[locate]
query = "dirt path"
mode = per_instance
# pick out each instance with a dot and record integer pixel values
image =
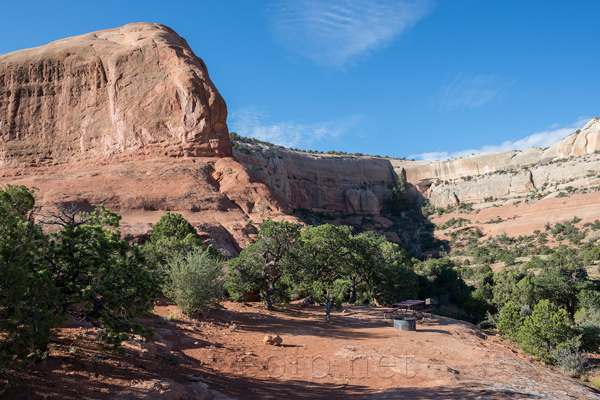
(360, 355)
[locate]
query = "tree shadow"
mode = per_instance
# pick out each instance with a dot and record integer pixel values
(310, 325)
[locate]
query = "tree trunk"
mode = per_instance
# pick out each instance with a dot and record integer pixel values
(267, 298)
(352, 296)
(328, 307)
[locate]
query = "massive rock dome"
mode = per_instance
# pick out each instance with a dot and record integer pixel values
(137, 89)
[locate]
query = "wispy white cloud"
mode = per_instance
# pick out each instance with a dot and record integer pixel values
(466, 92)
(253, 122)
(540, 139)
(336, 33)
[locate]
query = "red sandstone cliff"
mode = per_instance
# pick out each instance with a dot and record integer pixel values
(129, 118)
(136, 89)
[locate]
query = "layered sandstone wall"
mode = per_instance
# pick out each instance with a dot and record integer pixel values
(138, 89)
(321, 182)
(545, 179)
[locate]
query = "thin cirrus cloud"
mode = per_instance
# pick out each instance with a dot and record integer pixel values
(336, 33)
(466, 92)
(540, 139)
(252, 122)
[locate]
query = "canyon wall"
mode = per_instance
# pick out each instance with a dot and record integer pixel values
(585, 141)
(321, 182)
(348, 184)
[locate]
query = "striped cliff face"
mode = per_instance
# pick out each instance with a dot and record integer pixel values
(138, 89)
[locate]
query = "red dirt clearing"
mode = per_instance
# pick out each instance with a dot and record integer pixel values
(358, 355)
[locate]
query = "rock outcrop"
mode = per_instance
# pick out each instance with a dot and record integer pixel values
(138, 89)
(129, 118)
(567, 174)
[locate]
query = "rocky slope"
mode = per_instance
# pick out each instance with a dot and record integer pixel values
(359, 356)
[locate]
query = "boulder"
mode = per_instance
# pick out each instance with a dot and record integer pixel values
(272, 340)
(361, 201)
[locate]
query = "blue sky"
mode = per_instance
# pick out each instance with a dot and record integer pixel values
(404, 78)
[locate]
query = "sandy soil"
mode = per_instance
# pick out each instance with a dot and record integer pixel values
(359, 355)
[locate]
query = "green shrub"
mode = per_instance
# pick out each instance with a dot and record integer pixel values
(171, 235)
(544, 330)
(489, 322)
(588, 299)
(195, 280)
(510, 320)
(102, 280)
(570, 359)
(477, 305)
(82, 268)
(588, 324)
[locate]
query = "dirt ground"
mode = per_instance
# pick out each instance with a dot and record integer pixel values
(359, 355)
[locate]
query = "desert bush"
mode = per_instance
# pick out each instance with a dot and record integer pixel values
(544, 330)
(171, 235)
(477, 305)
(588, 324)
(510, 320)
(392, 277)
(570, 359)
(490, 321)
(195, 280)
(589, 299)
(438, 278)
(101, 279)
